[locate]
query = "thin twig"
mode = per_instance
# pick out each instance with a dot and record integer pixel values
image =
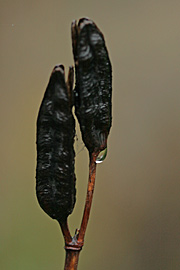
(74, 245)
(89, 197)
(71, 262)
(65, 232)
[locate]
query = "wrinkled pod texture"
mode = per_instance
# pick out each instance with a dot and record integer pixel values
(55, 178)
(93, 88)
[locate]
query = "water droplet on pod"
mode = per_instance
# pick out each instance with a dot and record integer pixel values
(102, 155)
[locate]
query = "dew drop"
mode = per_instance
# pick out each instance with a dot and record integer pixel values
(102, 155)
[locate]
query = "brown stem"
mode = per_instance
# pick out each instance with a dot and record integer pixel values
(65, 231)
(89, 197)
(71, 261)
(71, 246)
(74, 245)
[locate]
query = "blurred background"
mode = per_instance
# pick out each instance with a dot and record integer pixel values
(135, 218)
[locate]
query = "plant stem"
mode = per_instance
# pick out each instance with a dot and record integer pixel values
(71, 261)
(65, 232)
(89, 197)
(73, 245)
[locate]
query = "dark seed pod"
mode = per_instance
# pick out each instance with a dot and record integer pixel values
(93, 84)
(55, 178)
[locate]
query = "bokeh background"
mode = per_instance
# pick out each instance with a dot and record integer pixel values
(135, 218)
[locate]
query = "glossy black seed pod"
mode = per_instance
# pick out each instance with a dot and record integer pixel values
(93, 84)
(55, 178)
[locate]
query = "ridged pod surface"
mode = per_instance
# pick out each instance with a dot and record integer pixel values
(55, 178)
(93, 84)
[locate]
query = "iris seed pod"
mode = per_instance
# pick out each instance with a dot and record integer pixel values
(55, 178)
(93, 84)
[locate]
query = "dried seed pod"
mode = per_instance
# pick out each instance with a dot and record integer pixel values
(55, 178)
(93, 84)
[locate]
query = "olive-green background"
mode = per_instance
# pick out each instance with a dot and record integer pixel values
(135, 218)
